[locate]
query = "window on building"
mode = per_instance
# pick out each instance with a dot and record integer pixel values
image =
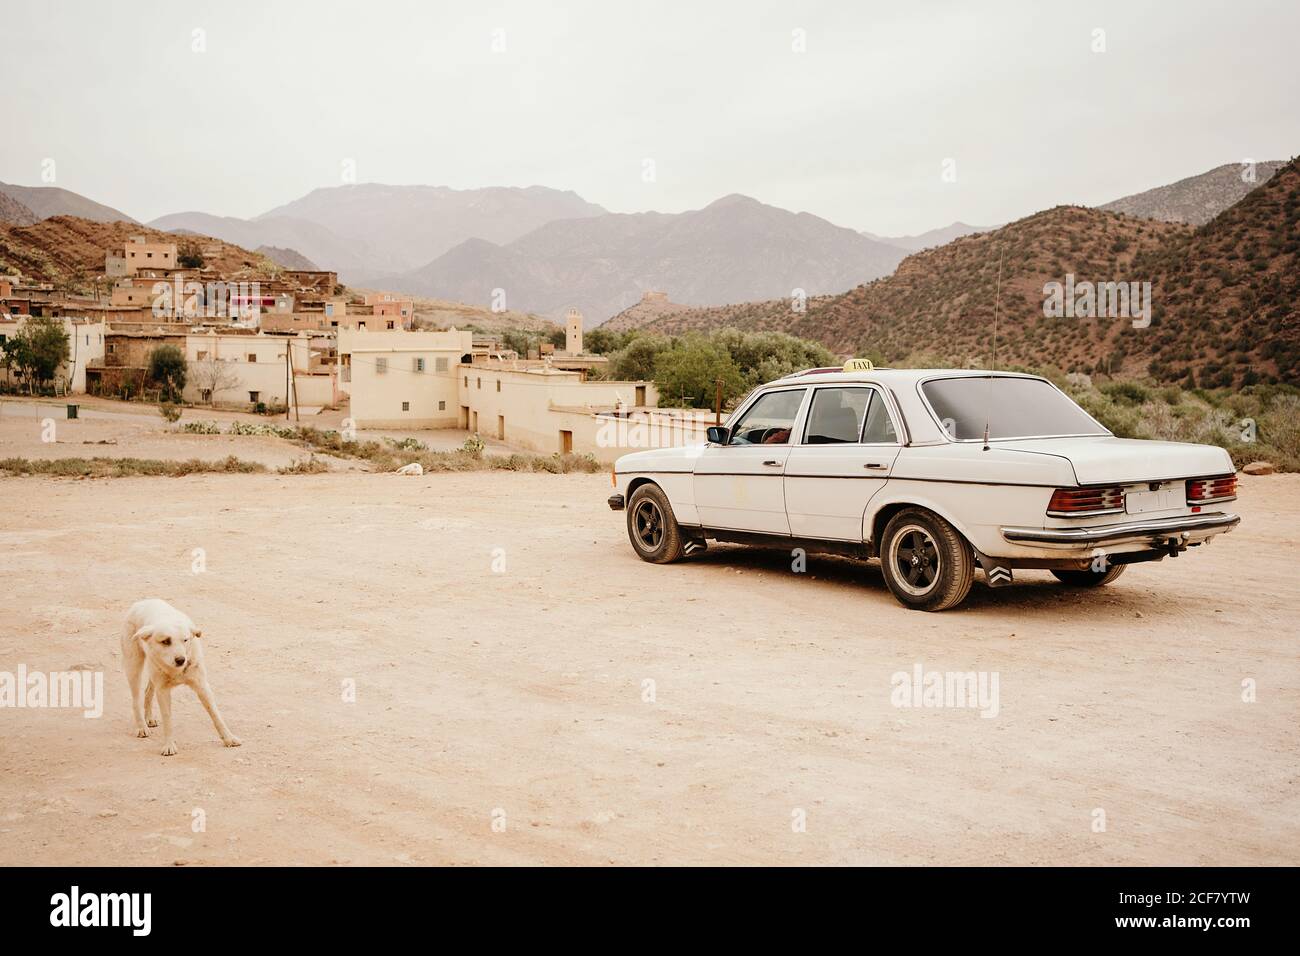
(440, 365)
(381, 366)
(467, 381)
(111, 348)
(498, 385)
(390, 323)
(252, 356)
(406, 406)
(329, 309)
(442, 406)
(254, 397)
(205, 394)
(202, 355)
(480, 381)
(419, 365)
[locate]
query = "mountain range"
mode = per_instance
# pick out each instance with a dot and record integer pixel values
(47, 201)
(734, 249)
(1224, 296)
(930, 238)
(370, 233)
(549, 249)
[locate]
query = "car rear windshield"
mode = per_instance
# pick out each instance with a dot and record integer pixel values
(1013, 408)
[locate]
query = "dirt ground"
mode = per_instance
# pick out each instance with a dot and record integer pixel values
(500, 635)
(104, 428)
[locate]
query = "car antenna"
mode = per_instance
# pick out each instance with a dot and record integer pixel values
(997, 302)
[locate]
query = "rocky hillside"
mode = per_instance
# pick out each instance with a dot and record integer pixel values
(1196, 199)
(1224, 297)
(15, 213)
(733, 250)
(289, 258)
(940, 302)
(652, 307)
(1230, 310)
(69, 251)
(48, 201)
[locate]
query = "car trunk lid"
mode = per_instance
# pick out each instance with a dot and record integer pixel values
(1109, 460)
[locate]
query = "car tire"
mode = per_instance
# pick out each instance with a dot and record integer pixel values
(1090, 578)
(652, 527)
(926, 563)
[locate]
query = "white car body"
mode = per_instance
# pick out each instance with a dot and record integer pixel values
(995, 493)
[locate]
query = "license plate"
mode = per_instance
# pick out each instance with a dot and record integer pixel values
(1163, 499)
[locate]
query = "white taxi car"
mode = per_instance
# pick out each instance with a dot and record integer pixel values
(933, 472)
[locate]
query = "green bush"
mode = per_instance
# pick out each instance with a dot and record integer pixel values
(167, 369)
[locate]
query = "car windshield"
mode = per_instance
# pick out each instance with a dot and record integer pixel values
(1013, 408)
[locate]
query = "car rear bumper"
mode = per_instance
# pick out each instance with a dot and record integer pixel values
(615, 502)
(1186, 529)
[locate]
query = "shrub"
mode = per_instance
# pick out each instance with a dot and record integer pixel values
(201, 428)
(167, 368)
(170, 411)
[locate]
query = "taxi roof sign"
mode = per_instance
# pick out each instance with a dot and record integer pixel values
(859, 365)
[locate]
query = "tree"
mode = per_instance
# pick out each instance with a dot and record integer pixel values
(636, 361)
(38, 350)
(691, 369)
(167, 367)
(212, 376)
(189, 256)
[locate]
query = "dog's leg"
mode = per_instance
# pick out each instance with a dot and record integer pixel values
(134, 666)
(205, 698)
(148, 706)
(165, 707)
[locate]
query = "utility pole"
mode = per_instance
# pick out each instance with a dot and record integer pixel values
(297, 409)
(717, 402)
(286, 380)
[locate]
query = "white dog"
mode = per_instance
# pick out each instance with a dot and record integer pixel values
(160, 650)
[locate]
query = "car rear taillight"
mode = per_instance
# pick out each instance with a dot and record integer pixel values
(1204, 490)
(1071, 502)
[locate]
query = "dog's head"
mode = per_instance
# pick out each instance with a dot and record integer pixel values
(169, 645)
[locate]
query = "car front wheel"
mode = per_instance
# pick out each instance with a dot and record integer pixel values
(927, 564)
(652, 527)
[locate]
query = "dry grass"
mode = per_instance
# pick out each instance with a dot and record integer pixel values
(124, 467)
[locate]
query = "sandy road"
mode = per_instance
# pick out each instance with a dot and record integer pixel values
(523, 692)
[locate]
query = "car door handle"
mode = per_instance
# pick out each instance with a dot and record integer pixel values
(772, 464)
(875, 466)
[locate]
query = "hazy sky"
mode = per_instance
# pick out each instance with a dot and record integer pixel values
(855, 129)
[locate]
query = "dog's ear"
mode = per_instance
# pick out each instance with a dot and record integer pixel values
(196, 632)
(143, 634)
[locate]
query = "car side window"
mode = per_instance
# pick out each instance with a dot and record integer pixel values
(880, 428)
(836, 415)
(769, 420)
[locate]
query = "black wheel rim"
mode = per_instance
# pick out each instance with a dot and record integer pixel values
(915, 558)
(648, 521)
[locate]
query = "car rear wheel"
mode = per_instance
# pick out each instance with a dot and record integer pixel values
(652, 527)
(1090, 578)
(926, 563)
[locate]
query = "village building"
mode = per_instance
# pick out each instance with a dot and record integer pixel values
(140, 253)
(86, 342)
(418, 380)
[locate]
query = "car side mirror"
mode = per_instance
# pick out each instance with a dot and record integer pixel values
(719, 434)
